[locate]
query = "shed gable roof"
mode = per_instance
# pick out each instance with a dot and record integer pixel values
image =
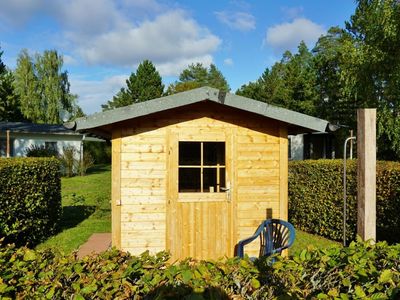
(194, 96)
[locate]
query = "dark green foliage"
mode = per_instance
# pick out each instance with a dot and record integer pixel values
(30, 199)
(145, 84)
(360, 271)
(195, 76)
(101, 152)
(9, 101)
(291, 83)
(33, 274)
(10, 109)
(316, 198)
(41, 151)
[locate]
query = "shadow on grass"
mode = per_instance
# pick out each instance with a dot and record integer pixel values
(73, 215)
(98, 169)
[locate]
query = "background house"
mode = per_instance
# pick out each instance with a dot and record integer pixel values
(314, 145)
(195, 172)
(24, 135)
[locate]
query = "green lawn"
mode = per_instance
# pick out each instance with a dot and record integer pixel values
(86, 210)
(304, 240)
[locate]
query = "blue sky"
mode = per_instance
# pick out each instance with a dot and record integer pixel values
(103, 41)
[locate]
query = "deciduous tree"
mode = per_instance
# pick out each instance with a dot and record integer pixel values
(43, 87)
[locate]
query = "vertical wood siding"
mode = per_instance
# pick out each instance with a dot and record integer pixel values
(151, 217)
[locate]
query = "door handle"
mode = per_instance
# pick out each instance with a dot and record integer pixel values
(227, 191)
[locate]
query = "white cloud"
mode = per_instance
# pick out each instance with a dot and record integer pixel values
(173, 68)
(69, 60)
(228, 62)
(17, 12)
(292, 12)
(86, 17)
(237, 20)
(287, 36)
(94, 93)
(170, 37)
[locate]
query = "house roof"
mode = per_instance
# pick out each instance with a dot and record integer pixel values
(302, 121)
(23, 127)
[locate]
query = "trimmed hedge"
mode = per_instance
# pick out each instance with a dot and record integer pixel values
(316, 198)
(360, 271)
(30, 199)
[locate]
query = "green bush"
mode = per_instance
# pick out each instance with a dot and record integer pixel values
(316, 198)
(32, 274)
(40, 151)
(68, 162)
(100, 151)
(361, 271)
(30, 199)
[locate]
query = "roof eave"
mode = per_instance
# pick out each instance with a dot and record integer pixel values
(194, 96)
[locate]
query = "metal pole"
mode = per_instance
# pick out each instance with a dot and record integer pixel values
(351, 145)
(344, 188)
(8, 144)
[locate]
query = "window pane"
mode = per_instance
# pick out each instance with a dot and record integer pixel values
(189, 153)
(210, 183)
(189, 180)
(214, 153)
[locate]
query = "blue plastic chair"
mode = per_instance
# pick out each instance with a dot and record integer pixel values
(275, 236)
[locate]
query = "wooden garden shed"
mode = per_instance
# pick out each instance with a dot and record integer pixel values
(195, 172)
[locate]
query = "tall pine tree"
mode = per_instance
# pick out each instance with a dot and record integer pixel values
(143, 85)
(9, 101)
(196, 75)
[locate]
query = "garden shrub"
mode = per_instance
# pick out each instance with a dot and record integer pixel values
(40, 151)
(360, 271)
(30, 199)
(316, 198)
(68, 161)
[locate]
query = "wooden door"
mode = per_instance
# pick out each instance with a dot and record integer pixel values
(200, 207)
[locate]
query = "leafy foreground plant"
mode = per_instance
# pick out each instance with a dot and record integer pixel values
(357, 272)
(360, 271)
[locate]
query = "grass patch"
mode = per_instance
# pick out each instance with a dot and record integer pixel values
(304, 240)
(86, 209)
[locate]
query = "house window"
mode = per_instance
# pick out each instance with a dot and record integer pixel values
(51, 146)
(201, 167)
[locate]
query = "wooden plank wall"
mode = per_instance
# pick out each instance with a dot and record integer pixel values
(258, 146)
(258, 174)
(143, 186)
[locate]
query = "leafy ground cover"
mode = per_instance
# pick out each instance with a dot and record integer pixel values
(86, 210)
(360, 271)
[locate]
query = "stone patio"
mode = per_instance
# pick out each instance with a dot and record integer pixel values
(96, 244)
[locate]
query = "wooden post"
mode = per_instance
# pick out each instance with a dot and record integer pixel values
(366, 173)
(8, 144)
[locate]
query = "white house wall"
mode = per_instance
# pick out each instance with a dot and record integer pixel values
(22, 141)
(296, 147)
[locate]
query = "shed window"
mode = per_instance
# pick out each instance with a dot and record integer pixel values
(201, 167)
